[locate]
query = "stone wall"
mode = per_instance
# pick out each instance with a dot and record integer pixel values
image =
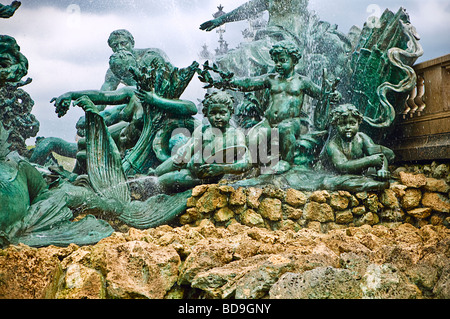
(238, 262)
(415, 199)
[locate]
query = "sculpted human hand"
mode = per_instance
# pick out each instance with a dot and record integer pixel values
(335, 97)
(383, 174)
(211, 25)
(376, 160)
(86, 104)
(62, 103)
(145, 96)
(8, 11)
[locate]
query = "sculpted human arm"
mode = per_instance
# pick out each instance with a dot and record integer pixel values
(120, 96)
(311, 88)
(315, 91)
(213, 170)
(355, 166)
(377, 150)
(250, 84)
(242, 12)
(8, 11)
(176, 107)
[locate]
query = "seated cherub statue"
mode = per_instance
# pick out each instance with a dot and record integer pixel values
(353, 152)
(214, 150)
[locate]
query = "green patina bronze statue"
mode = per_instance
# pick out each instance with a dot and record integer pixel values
(353, 152)
(32, 214)
(148, 134)
(147, 116)
(204, 158)
(9, 10)
(287, 93)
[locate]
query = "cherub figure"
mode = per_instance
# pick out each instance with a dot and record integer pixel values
(353, 152)
(287, 92)
(215, 149)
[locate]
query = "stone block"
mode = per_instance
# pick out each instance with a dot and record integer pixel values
(291, 212)
(344, 217)
(224, 214)
(211, 200)
(412, 198)
(338, 201)
(437, 185)
(253, 195)
(252, 218)
(437, 202)
(413, 180)
(319, 196)
(318, 212)
(295, 198)
(270, 208)
(420, 213)
(238, 197)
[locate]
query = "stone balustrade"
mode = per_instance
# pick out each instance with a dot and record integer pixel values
(422, 130)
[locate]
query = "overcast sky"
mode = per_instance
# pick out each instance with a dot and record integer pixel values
(65, 40)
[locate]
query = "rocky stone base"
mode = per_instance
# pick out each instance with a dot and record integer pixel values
(239, 262)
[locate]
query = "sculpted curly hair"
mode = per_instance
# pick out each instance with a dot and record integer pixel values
(121, 32)
(218, 97)
(288, 47)
(345, 110)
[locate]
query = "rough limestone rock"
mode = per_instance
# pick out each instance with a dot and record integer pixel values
(420, 213)
(318, 212)
(295, 198)
(81, 282)
(319, 283)
(137, 269)
(437, 202)
(252, 218)
(442, 288)
(28, 273)
(211, 200)
(386, 282)
(339, 201)
(413, 180)
(437, 185)
(270, 208)
(412, 198)
(237, 261)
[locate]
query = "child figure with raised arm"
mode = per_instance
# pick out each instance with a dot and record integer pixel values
(287, 92)
(353, 152)
(215, 149)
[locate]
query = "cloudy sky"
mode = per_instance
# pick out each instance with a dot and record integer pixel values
(65, 40)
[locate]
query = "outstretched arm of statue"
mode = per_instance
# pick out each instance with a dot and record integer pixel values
(8, 11)
(181, 108)
(243, 12)
(250, 84)
(120, 96)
